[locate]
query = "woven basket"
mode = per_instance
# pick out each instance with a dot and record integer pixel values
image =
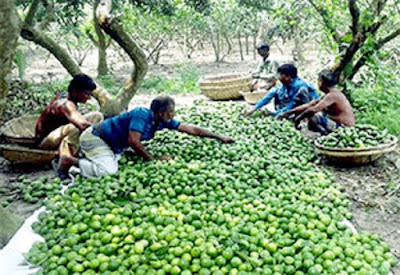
(23, 155)
(253, 97)
(225, 87)
(355, 156)
(20, 130)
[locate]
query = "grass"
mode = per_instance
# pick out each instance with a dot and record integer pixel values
(184, 81)
(379, 106)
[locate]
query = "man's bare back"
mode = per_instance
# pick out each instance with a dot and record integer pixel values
(339, 109)
(53, 116)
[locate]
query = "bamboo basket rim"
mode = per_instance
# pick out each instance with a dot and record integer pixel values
(16, 148)
(253, 93)
(235, 86)
(335, 151)
(221, 78)
(23, 155)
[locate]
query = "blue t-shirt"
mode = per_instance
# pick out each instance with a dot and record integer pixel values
(298, 92)
(115, 130)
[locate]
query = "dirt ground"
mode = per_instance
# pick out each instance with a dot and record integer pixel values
(373, 189)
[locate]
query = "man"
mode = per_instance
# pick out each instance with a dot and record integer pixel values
(325, 114)
(103, 143)
(60, 123)
(293, 92)
(265, 76)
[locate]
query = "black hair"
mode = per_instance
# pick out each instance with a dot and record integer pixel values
(288, 70)
(328, 78)
(263, 47)
(161, 103)
(80, 83)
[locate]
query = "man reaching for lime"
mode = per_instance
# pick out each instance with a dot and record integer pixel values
(103, 143)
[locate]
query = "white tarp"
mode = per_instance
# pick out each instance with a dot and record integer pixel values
(11, 256)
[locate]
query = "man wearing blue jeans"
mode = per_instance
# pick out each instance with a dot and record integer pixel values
(292, 93)
(103, 143)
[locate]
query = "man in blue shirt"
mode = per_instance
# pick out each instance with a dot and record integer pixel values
(292, 93)
(103, 143)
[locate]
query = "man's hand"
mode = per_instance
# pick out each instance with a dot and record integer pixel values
(267, 113)
(249, 113)
(283, 115)
(165, 157)
(300, 117)
(226, 140)
(297, 121)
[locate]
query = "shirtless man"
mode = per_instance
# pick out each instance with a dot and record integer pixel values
(60, 124)
(326, 113)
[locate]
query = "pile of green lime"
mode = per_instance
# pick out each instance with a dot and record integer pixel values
(258, 206)
(32, 190)
(358, 136)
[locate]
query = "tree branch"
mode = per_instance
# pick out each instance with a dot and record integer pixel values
(91, 37)
(49, 15)
(380, 5)
(31, 13)
(327, 20)
(355, 15)
(388, 38)
(364, 58)
(31, 34)
(112, 27)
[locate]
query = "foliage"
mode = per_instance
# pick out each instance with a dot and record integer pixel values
(202, 6)
(109, 83)
(160, 7)
(157, 27)
(379, 106)
(20, 62)
(185, 81)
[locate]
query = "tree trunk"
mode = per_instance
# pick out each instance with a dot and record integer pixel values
(240, 46)
(254, 47)
(102, 67)
(247, 44)
(9, 32)
(112, 27)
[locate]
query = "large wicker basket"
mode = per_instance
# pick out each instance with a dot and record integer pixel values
(225, 87)
(253, 97)
(23, 155)
(20, 130)
(355, 156)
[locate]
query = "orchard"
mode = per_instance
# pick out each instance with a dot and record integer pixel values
(258, 206)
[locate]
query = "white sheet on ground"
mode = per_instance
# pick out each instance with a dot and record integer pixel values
(11, 256)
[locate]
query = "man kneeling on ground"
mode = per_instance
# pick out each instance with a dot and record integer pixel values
(103, 143)
(327, 113)
(293, 92)
(60, 124)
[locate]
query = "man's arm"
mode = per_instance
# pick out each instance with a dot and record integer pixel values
(320, 106)
(200, 132)
(73, 115)
(299, 109)
(262, 102)
(136, 144)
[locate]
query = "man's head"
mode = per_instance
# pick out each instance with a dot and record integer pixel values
(287, 72)
(81, 87)
(263, 49)
(326, 79)
(163, 107)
